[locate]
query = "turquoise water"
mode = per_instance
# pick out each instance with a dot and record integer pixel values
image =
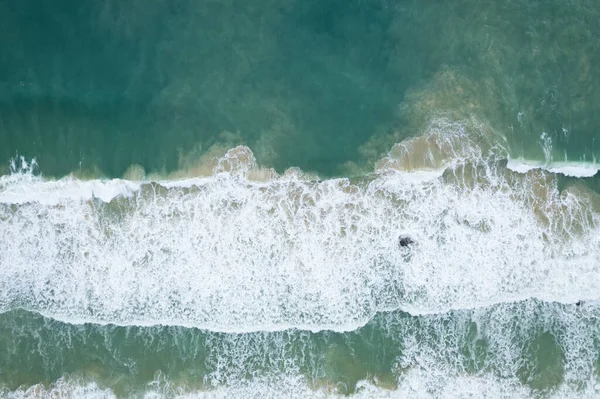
(214, 198)
(103, 85)
(127, 358)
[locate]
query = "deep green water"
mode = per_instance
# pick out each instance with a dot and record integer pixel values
(106, 84)
(420, 119)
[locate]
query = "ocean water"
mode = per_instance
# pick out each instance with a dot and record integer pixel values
(358, 198)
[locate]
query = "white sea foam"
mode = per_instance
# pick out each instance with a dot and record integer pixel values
(503, 340)
(416, 383)
(24, 185)
(55, 192)
(564, 168)
(228, 254)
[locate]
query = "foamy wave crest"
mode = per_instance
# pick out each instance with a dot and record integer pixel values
(567, 169)
(416, 384)
(536, 343)
(444, 144)
(229, 253)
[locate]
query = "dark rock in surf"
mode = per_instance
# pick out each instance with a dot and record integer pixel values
(405, 241)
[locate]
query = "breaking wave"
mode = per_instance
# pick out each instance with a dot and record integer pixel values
(229, 253)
